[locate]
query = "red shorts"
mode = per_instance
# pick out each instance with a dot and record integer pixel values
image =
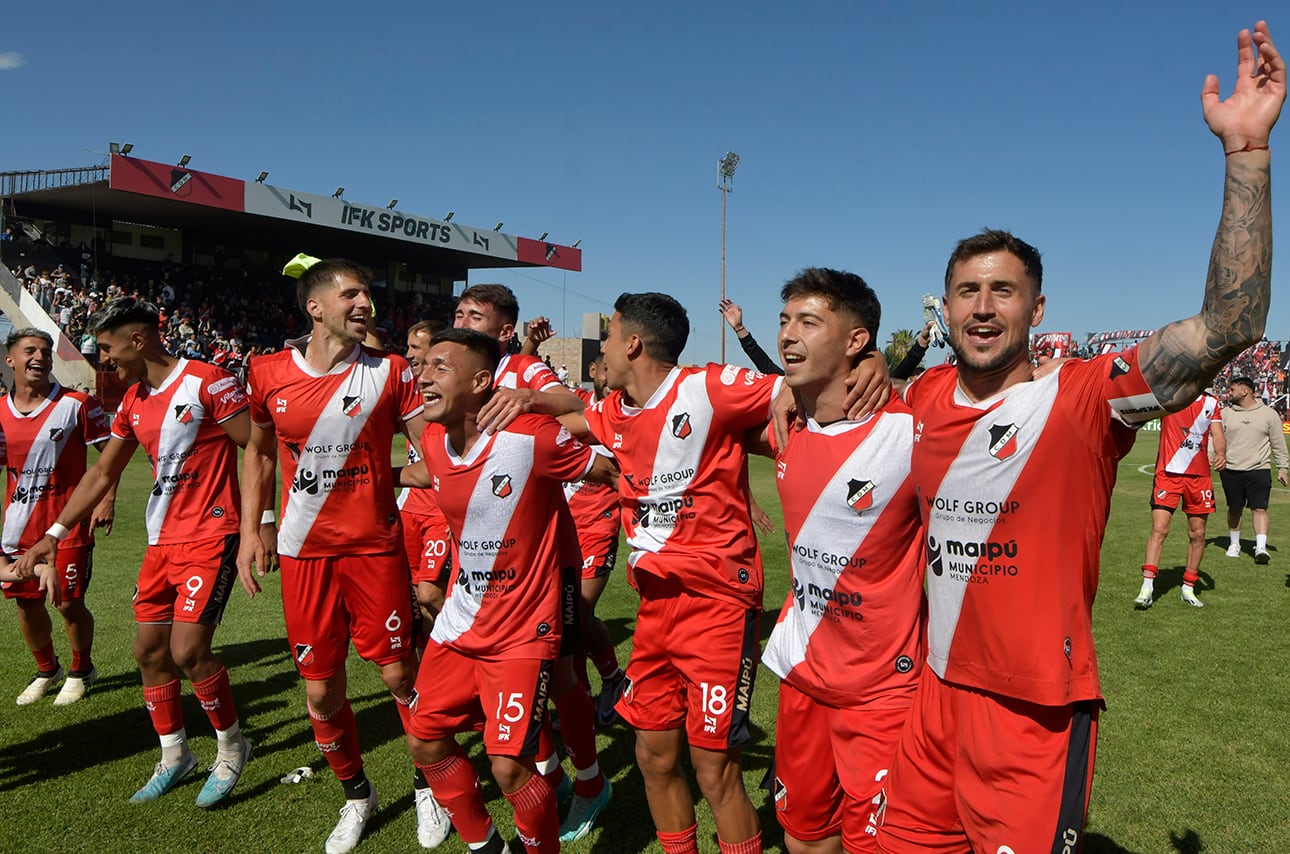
(428, 544)
(694, 661)
(329, 601)
(989, 772)
(830, 765)
(75, 566)
(1195, 490)
(186, 582)
(598, 542)
(506, 699)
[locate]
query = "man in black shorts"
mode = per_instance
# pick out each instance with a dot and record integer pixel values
(1254, 439)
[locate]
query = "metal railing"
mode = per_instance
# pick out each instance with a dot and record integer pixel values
(12, 183)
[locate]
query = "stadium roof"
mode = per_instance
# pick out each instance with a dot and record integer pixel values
(257, 215)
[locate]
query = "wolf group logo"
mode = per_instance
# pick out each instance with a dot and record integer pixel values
(934, 562)
(1003, 441)
(305, 481)
(304, 654)
(681, 425)
(184, 413)
(860, 494)
(351, 405)
(502, 485)
(56, 434)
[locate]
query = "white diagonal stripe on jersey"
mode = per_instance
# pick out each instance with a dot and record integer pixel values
(488, 518)
(413, 457)
(175, 441)
(650, 535)
(39, 466)
(1182, 457)
(883, 457)
(367, 377)
(972, 472)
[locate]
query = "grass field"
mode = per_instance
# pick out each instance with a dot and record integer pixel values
(1194, 752)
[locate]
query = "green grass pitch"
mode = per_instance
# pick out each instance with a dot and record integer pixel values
(1194, 753)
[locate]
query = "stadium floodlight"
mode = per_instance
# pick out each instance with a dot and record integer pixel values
(340, 191)
(114, 147)
(127, 148)
(448, 216)
(577, 243)
(498, 227)
(183, 161)
(392, 203)
(726, 167)
(544, 234)
(263, 177)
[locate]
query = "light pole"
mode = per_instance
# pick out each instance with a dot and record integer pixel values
(725, 183)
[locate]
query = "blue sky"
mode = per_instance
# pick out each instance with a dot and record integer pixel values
(872, 135)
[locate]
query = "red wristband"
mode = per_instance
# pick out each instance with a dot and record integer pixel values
(1247, 147)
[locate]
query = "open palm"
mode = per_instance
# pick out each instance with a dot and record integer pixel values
(1246, 118)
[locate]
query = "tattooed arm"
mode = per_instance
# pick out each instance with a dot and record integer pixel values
(1184, 356)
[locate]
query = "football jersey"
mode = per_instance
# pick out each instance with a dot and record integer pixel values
(852, 626)
(591, 503)
(517, 370)
(1015, 492)
(1184, 437)
(511, 531)
(46, 458)
(418, 502)
(334, 435)
(684, 483)
(194, 493)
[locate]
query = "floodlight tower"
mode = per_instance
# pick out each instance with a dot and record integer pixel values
(725, 183)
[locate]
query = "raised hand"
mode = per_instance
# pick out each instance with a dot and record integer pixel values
(1245, 119)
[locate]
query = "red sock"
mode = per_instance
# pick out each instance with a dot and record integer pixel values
(578, 729)
(546, 750)
(216, 696)
(81, 660)
(337, 737)
(456, 788)
(162, 702)
(580, 672)
(748, 846)
(606, 661)
(536, 819)
(681, 842)
(1149, 571)
(1191, 576)
(46, 658)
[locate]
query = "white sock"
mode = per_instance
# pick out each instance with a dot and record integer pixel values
(1260, 541)
(1236, 536)
(475, 846)
(229, 741)
(1188, 589)
(591, 772)
(1148, 585)
(174, 746)
(547, 765)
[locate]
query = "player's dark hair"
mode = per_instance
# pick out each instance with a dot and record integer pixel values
(500, 297)
(659, 320)
(996, 240)
(27, 332)
(1245, 381)
(429, 327)
(843, 291)
(321, 274)
(473, 340)
(124, 311)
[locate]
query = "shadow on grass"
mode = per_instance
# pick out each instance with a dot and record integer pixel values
(1096, 843)
(1247, 546)
(1168, 580)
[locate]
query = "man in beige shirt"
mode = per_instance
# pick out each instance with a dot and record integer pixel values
(1254, 438)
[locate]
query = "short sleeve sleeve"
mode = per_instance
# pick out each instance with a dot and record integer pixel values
(223, 395)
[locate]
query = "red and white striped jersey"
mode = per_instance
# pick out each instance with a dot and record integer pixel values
(1015, 492)
(1184, 437)
(334, 435)
(512, 532)
(46, 457)
(194, 494)
(418, 502)
(684, 484)
(853, 625)
(517, 370)
(591, 502)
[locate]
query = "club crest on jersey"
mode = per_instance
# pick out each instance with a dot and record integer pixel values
(1119, 367)
(56, 434)
(780, 792)
(304, 654)
(1003, 441)
(501, 485)
(860, 494)
(184, 413)
(681, 425)
(351, 405)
